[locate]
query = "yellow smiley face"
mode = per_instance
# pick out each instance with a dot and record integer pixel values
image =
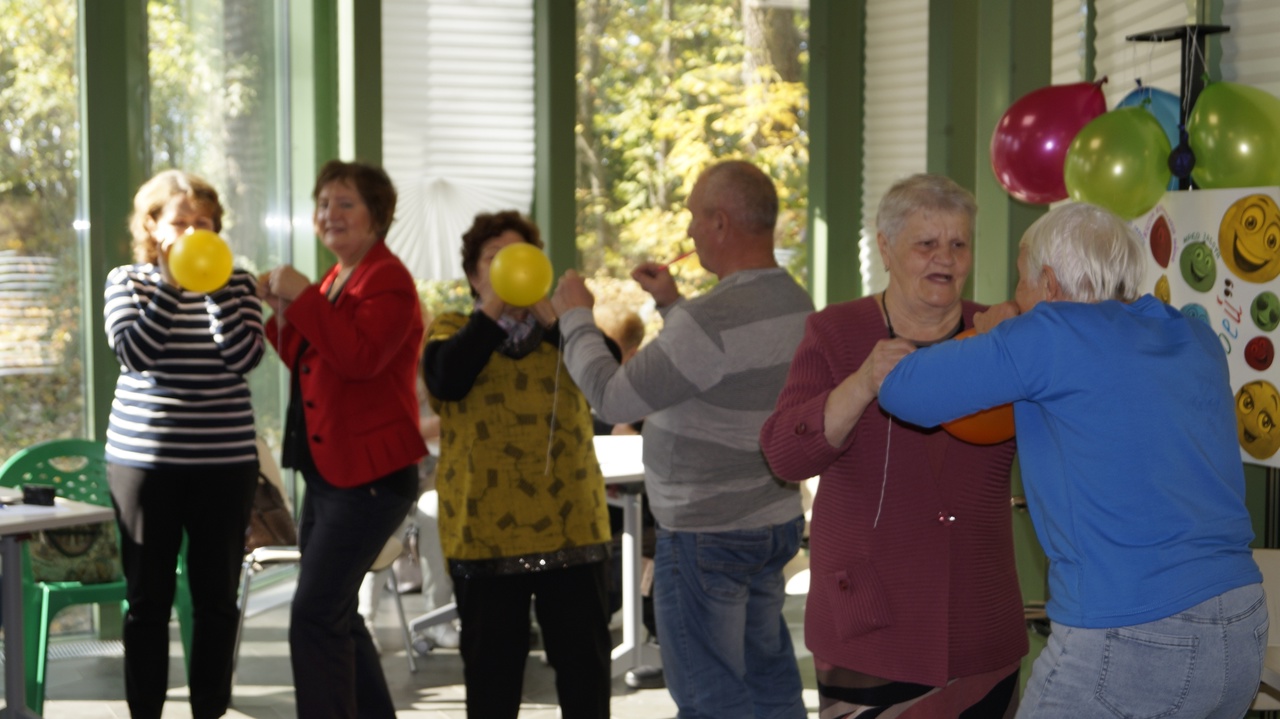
(1257, 411)
(1249, 238)
(1162, 290)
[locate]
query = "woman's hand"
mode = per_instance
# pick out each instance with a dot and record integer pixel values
(850, 398)
(287, 283)
(163, 248)
(655, 279)
(277, 303)
(994, 315)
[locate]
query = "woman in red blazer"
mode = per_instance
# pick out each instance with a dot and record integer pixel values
(351, 345)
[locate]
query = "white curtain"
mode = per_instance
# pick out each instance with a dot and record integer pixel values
(458, 121)
(896, 114)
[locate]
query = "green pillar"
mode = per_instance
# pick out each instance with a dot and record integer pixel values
(953, 51)
(836, 31)
(555, 65)
(1013, 59)
(313, 121)
(115, 162)
(360, 79)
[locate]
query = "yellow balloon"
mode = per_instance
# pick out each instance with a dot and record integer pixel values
(520, 274)
(200, 261)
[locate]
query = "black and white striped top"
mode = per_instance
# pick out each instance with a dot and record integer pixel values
(181, 398)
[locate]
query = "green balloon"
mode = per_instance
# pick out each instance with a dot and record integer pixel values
(1233, 131)
(1119, 161)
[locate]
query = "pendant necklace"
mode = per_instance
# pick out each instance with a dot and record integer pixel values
(888, 321)
(944, 518)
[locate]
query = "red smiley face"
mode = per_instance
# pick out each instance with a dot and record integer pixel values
(1259, 353)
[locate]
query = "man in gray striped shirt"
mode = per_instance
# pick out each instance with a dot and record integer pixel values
(704, 387)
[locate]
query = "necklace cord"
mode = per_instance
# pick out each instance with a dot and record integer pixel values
(888, 321)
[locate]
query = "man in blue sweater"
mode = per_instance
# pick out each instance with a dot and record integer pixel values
(1126, 436)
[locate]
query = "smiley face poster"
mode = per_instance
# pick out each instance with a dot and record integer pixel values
(1215, 255)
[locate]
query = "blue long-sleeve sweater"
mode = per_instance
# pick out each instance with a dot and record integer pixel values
(1126, 437)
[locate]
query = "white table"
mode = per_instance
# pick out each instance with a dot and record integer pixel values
(621, 462)
(16, 522)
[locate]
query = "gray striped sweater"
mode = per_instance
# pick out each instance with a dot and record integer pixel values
(704, 387)
(181, 398)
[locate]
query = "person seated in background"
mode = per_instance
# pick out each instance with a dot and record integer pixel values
(421, 527)
(430, 573)
(1127, 440)
(626, 329)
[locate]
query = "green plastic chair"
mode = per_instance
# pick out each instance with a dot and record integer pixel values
(79, 474)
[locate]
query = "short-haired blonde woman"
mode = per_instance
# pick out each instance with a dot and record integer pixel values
(180, 443)
(1127, 442)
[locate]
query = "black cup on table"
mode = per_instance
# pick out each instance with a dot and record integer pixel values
(41, 494)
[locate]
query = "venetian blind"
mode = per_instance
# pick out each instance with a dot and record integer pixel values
(458, 121)
(895, 113)
(1251, 50)
(1123, 62)
(1068, 50)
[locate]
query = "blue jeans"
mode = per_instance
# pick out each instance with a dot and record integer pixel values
(726, 650)
(1204, 662)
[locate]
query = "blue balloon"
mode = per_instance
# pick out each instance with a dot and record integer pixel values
(1165, 107)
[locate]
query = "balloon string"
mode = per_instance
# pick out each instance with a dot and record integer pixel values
(555, 395)
(885, 479)
(1186, 82)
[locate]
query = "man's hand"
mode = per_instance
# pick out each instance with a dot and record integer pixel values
(994, 315)
(657, 281)
(571, 293)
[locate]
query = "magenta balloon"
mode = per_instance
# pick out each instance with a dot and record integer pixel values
(1030, 143)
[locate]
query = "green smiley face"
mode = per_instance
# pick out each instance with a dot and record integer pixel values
(1265, 311)
(1198, 266)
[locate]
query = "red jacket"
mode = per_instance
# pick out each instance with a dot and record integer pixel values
(897, 588)
(357, 376)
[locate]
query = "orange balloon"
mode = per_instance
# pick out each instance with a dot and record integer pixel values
(988, 426)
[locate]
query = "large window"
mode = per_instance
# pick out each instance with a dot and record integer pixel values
(41, 365)
(217, 89)
(668, 87)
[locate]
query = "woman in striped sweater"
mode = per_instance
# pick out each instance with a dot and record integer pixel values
(180, 443)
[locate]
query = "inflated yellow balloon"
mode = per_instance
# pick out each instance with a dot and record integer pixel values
(200, 261)
(520, 274)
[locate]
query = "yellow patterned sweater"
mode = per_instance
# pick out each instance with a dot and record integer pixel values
(500, 496)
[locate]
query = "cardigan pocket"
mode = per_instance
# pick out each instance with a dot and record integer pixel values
(857, 600)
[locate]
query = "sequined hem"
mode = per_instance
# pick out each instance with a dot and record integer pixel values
(525, 563)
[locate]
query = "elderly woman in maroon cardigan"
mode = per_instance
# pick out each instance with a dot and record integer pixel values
(913, 604)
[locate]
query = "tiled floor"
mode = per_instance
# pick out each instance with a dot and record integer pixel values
(92, 686)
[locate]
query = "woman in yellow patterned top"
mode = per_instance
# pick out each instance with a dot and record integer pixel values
(522, 505)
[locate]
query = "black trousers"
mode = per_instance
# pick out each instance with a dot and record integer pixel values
(571, 606)
(153, 508)
(336, 669)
